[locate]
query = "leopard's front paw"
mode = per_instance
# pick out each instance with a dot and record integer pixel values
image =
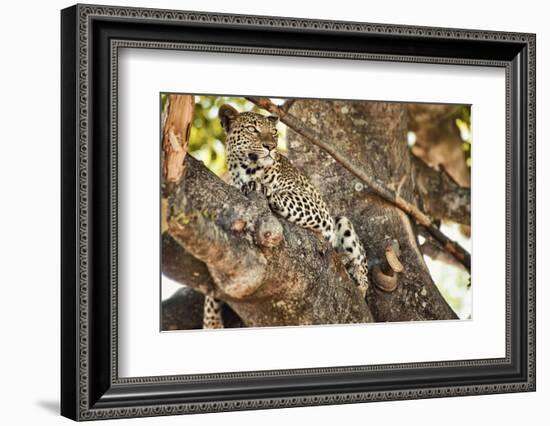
(252, 186)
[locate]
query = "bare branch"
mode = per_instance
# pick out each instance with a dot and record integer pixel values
(441, 196)
(432, 248)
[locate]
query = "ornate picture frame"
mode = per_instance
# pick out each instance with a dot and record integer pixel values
(91, 37)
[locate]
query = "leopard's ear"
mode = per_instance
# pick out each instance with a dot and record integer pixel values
(227, 114)
(273, 118)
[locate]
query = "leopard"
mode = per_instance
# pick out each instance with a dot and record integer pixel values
(255, 164)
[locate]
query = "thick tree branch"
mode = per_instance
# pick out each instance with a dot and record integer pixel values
(441, 196)
(270, 272)
(182, 267)
(393, 196)
(238, 267)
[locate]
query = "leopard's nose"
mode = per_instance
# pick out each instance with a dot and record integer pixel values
(269, 146)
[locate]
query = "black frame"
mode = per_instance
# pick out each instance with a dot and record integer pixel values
(91, 37)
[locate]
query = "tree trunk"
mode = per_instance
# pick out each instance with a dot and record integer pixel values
(374, 136)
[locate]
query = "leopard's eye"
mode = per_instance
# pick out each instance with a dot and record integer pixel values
(274, 132)
(251, 129)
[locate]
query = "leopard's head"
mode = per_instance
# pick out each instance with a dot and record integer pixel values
(250, 135)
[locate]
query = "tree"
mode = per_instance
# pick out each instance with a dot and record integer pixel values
(271, 272)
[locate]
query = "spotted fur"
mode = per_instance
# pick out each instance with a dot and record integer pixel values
(352, 252)
(212, 315)
(255, 165)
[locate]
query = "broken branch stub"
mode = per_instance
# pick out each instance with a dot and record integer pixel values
(175, 136)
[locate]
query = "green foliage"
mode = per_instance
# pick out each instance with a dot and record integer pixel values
(207, 134)
(463, 122)
(463, 114)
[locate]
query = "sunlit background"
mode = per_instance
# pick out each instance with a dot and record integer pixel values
(206, 145)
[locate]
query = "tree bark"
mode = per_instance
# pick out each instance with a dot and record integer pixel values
(175, 135)
(441, 196)
(373, 136)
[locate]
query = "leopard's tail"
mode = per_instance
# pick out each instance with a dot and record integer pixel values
(212, 314)
(346, 242)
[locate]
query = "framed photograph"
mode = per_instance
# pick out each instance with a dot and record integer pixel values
(263, 212)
